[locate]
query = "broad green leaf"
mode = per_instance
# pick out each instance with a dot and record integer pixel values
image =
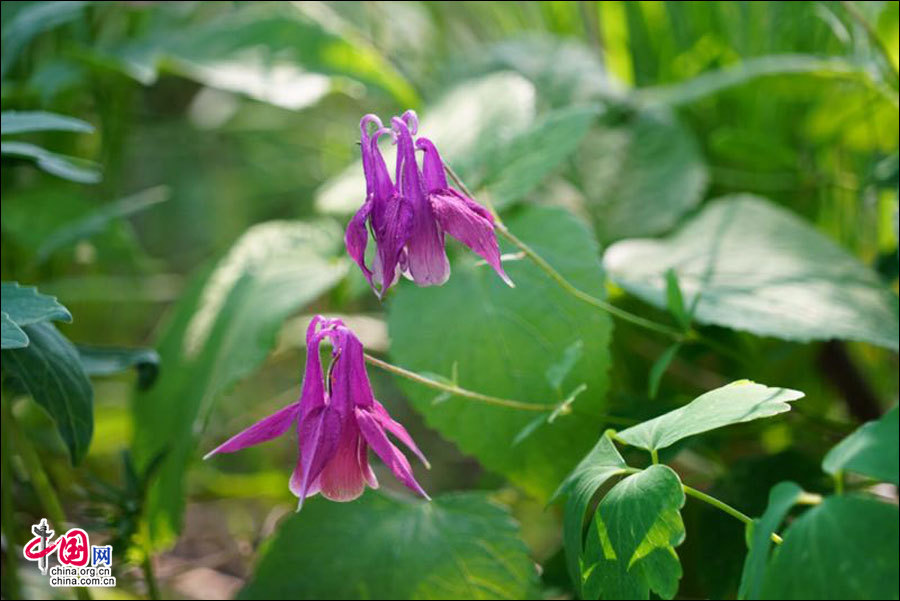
(18, 122)
(738, 402)
(12, 335)
(659, 368)
(70, 168)
(761, 269)
(477, 113)
(639, 174)
(598, 466)
(269, 51)
(458, 546)
(845, 548)
(871, 450)
(50, 371)
(106, 361)
(508, 170)
(98, 220)
(630, 547)
(25, 305)
(782, 497)
(31, 19)
(503, 340)
(749, 70)
(221, 331)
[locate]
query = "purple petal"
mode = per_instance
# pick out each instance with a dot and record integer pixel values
(397, 429)
(350, 383)
(357, 237)
(343, 477)
(390, 455)
(318, 437)
(363, 452)
(460, 217)
(391, 222)
(263, 430)
(432, 166)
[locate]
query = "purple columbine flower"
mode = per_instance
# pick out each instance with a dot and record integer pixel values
(410, 216)
(337, 421)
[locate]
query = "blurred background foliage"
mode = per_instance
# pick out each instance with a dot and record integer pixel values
(203, 216)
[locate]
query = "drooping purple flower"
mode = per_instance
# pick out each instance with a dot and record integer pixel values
(410, 216)
(337, 421)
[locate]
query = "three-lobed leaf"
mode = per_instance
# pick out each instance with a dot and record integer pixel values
(630, 549)
(458, 546)
(738, 402)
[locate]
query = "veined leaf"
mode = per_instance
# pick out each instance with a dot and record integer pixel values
(25, 305)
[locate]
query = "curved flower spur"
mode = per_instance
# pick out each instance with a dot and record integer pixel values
(337, 421)
(409, 216)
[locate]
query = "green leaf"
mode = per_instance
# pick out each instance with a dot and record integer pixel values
(557, 372)
(12, 335)
(98, 220)
(734, 403)
(458, 546)
(602, 463)
(49, 370)
(782, 497)
(477, 113)
(30, 20)
(760, 269)
(640, 175)
(221, 331)
(70, 168)
(630, 548)
(503, 340)
(871, 450)
(845, 548)
(18, 122)
(659, 368)
(106, 361)
(713, 82)
(25, 305)
(507, 170)
(675, 300)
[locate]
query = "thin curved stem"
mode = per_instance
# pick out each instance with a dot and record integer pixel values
(873, 37)
(746, 519)
(456, 390)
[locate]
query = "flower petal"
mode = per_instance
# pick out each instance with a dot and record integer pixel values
(390, 455)
(391, 224)
(350, 385)
(356, 239)
(266, 429)
(343, 478)
(317, 437)
(464, 219)
(397, 429)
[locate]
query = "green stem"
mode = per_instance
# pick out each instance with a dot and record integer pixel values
(839, 482)
(149, 576)
(648, 324)
(654, 456)
(456, 390)
(43, 487)
(7, 516)
(693, 492)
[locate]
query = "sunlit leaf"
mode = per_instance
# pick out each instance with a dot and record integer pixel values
(761, 269)
(475, 114)
(640, 173)
(50, 371)
(872, 450)
(738, 402)
(17, 122)
(70, 168)
(458, 546)
(630, 548)
(503, 341)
